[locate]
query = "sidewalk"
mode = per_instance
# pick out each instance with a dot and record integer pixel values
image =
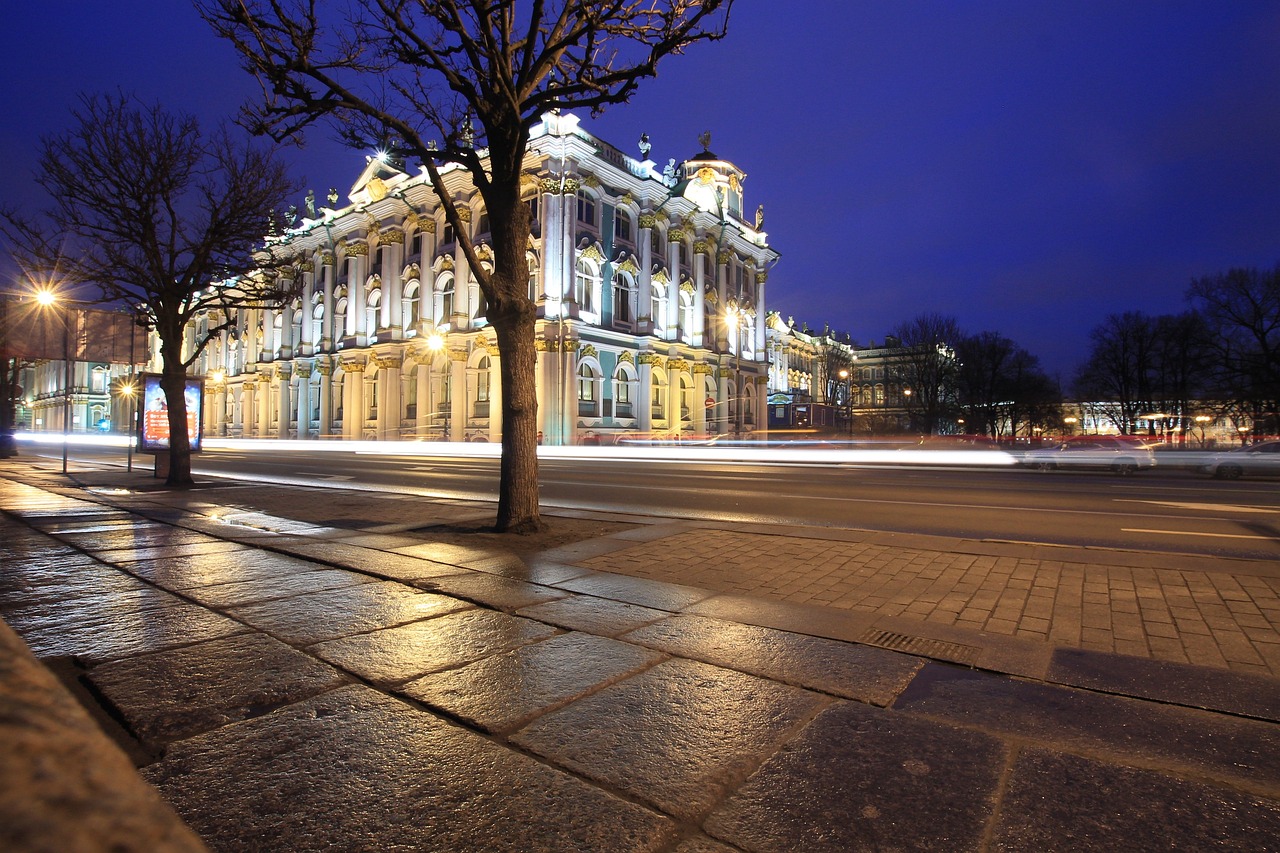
(312, 669)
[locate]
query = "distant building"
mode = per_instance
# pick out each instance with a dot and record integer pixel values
(649, 284)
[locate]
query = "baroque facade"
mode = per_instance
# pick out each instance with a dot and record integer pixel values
(649, 286)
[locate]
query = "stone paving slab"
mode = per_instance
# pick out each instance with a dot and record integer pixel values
(504, 691)
(497, 592)
(386, 776)
(861, 778)
(174, 694)
(328, 615)
(676, 735)
(126, 634)
(871, 675)
(1236, 751)
(395, 655)
(598, 616)
(235, 593)
(1064, 802)
(1184, 684)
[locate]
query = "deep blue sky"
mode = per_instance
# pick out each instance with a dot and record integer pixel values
(1026, 167)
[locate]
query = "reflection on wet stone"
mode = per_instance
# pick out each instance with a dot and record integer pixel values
(386, 777)
(500, 692)
(863, 778)
(398, 654)
(594, 615)
(674, 735)
(845, 669)
(310, 618)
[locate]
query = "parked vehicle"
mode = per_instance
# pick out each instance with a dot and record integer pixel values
(1116, 453)
(1254, 460)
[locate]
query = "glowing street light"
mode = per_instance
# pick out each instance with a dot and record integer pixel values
(47, 297)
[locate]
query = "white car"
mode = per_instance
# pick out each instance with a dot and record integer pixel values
(1254, 460)
(1118, 454)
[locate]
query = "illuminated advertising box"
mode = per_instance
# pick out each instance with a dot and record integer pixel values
(153, 426)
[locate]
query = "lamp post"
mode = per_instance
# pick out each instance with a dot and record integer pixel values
(47, 298)
(848, 399)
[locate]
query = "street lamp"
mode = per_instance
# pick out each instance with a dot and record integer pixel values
(46, 297)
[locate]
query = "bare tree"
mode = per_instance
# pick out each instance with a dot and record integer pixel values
(1001, 387)
(926, 371)
(1242, 311)
(154, 212)
(450, 82)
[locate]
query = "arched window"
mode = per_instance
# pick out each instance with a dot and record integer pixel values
(623, 296)
(533, 277)
(372, 305)
(482, 387)
(658, 395)
(623, 381)
(588, 399)
(686, 316)
(658, 293)
(317, 318)
(586, 286)
(410, 305)
(444, 292)
(879, 395)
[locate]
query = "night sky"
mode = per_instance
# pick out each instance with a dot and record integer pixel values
(1026, 167)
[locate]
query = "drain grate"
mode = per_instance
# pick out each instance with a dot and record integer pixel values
(954, 652)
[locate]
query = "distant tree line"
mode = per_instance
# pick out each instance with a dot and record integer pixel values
(1219, 358)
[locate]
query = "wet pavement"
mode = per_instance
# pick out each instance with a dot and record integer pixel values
(303, 669)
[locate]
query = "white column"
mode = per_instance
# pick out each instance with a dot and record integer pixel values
(307, 342)
(644, 295)
(391, 244)
(457, 394)
(327, 324)
(303, 372)
(697, 333)
(325, 426)
(643, 399)
(284, 381)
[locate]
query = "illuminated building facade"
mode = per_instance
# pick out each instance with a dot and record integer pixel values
(649, 285)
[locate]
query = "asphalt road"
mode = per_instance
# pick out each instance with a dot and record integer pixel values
(1162, 510)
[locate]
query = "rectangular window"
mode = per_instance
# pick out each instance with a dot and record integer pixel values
(482, 227)
(448, 236)
(586, 210)
(622, 227)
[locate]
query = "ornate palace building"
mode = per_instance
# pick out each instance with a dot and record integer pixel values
(649, 285)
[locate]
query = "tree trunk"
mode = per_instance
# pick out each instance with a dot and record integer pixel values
(513, 317)
(173, 381)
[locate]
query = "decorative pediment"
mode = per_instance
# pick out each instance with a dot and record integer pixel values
(661, 277)
(589, 351)
(626, 357)
(629, 265)
(592, 252)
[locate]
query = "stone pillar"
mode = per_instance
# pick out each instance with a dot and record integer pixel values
(644, 296)
(327, 325)
(458, 394)
(248, 407)
(422, 376)
(722, 296)
(307, 339)
(761, 276)
(325, 367)
(675, 237)
(675, 394)
(284, 382)
(461, 279)
(730, 404)
(701, 249)
(644, 398)
(269, 343)
(703, 418)
(552, 245)
(302, 370)
(264, 405)
(357, 253)
(389, 404)
(391, 245)
(495, 396)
